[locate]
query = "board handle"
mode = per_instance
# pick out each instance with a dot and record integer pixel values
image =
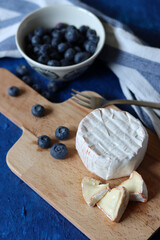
(18, 109)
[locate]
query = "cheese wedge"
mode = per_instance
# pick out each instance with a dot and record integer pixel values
(111, 143)
(114, 203)
(92, 190)
(136, 187)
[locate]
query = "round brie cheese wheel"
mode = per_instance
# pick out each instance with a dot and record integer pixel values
(111, 143)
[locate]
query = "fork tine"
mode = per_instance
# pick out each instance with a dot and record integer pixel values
(82, 94)
(82, 104)
(80, 98)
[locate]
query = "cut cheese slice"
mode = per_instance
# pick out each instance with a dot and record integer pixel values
(136, 187)
(92, 190)
(114, 203)
(111, 143)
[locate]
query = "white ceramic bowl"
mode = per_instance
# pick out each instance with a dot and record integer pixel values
(48, 17)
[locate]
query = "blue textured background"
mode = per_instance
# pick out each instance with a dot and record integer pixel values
(23, 214)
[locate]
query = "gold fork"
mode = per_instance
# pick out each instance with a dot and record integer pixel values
(96, 102)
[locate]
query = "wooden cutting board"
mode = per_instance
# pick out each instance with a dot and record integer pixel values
(59, 181)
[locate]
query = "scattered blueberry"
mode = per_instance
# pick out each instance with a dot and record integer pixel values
(69, 54)
(59, 151)
(38, 110)
(62, 47)
(22, 70)
(46, 95)
(62, 133)
(52, 86)
(39, 31)
(90, 47)
(81, 56)
(44, 141)
(53, 62)
(13, 91)
(36, 87)
(27, 79)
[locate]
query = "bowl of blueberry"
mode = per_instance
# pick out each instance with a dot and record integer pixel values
(60, 41)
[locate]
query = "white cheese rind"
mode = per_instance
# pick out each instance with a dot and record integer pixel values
(136, 187)
(111, 143)
(114, 203)
(93, 190)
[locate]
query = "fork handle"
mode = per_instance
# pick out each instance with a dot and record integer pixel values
(134, 102)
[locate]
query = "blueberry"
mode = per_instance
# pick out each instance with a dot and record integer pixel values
(36, 49)
(29, 37)
(53, 62)
(43, 59)
(62, 133)
(27, 79)
(39, 31)
(80, 39)
(52, 86)
(57, 34)
(22, 70)
(90, 32)
(63, 31)
(65, 62)
(81, 56)
(77, 49)
(46, 39)
(83, 29)
(71, 35)
(29, 48)
(62, 47)
(69, 54)
(46, 95)
(44, 141)
(13, 91)
(59, 151)
(44, 49)
(36, 87)
(60, 25)
(69, 27)
(38, 110)
(55, 42)
(90, 47)
(54, 54)
(35, 40)
(93, 38)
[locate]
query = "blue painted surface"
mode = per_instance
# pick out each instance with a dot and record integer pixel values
(23, 214)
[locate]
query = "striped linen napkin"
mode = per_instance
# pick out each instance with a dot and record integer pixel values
(135, 64)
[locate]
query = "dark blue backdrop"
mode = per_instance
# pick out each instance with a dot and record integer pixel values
(23, 214)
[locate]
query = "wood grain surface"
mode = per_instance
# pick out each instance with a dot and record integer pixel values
(59, 181)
